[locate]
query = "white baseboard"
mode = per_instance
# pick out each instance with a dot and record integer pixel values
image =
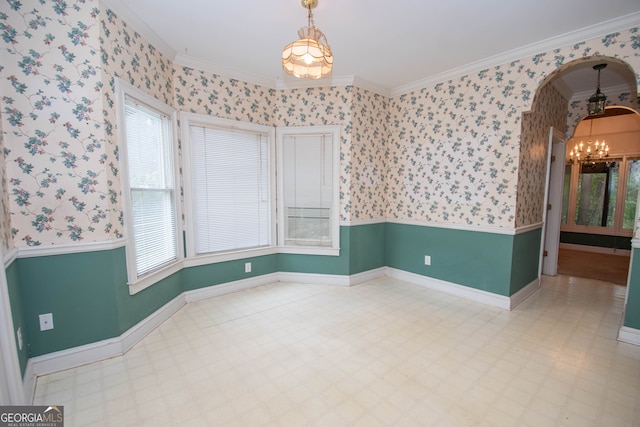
(230, 287)
(314, 279)
(524, 293)
(629, 335)
(94, 352)
(466, 292)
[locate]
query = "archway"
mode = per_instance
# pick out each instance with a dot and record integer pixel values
(568, 76)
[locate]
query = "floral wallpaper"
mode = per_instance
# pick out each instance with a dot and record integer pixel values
(6, 241)
(549, 109)
(52, 121)
(454, 148)
(125, 54)
(368, 161)
(322, 106)
(451, 153)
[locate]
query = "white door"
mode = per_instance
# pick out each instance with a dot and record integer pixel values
(11, 388)
(553, 203)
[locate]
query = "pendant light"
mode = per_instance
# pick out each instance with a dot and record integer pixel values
(598, 99)
(310, 56)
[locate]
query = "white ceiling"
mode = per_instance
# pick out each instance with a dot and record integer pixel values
(391, 45)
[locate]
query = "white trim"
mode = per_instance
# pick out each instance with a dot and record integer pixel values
(587, 33)
(206, 259)
(523, 294)
(314, 279)
(450, 288)
(70, 248)
(366, 276)
(629, 335)
(29, 382)
(136, 333)
(527, 228)
(151, 279)
(452, 226)
(596, 249)
(229, 287)
(12, 382)
(10, 256)
(182, 60)
(100, 350)
(309, 250)
(635, 242)
(357, 222)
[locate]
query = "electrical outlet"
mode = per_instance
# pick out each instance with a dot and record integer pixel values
(46, 321)
(247, 267)
(427, 260)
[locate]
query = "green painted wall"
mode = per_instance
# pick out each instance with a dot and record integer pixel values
(78, 289)
(470, 258)
(366, 247)
(89, 298)
(17, 312)
(632, 310)
(229, 271)
(525, 259)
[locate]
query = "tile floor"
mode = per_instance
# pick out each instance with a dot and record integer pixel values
(385, 353)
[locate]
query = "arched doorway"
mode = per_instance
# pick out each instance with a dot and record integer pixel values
(600, 196)
(576, 81)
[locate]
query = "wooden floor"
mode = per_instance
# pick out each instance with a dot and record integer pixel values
(609, 268)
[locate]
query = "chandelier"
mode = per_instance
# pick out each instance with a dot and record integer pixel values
(310, 56)
(591, 151)
(598, 99)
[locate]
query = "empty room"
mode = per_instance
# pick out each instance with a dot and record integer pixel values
(320, 213)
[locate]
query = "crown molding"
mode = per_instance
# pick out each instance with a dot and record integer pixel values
(131, 19)
(603, 28)
(195, 63)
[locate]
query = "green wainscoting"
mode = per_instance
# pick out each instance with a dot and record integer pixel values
(525, 262)
(598, 240)
(78, 289)
(632, 310)
(89, 298)
(475, 259)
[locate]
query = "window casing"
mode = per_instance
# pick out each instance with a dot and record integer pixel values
(601, 198)
(308, 196)
(148, 169)
(229, 188)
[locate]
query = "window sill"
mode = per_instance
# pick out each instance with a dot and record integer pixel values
(604, 231)
(204, 259)
(309, 250)
(153, 278)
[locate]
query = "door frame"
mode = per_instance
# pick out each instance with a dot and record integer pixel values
(11, 377)
(552, 218)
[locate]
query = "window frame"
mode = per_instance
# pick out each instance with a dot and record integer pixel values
(334, 131)
(617, 229)
(187, 119)
(137, 282)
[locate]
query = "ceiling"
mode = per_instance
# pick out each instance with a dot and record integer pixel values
(390, 45)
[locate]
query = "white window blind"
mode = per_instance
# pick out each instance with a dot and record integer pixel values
(151, 186)
(230, 189)
(307, 189)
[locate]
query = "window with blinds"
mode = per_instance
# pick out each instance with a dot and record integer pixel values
(230, 191)
(308, 188)
(151, 187)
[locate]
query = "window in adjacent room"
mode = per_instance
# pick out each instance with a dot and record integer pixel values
(309, 190)
(600, 197)
(230, 185)
(149, 187)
